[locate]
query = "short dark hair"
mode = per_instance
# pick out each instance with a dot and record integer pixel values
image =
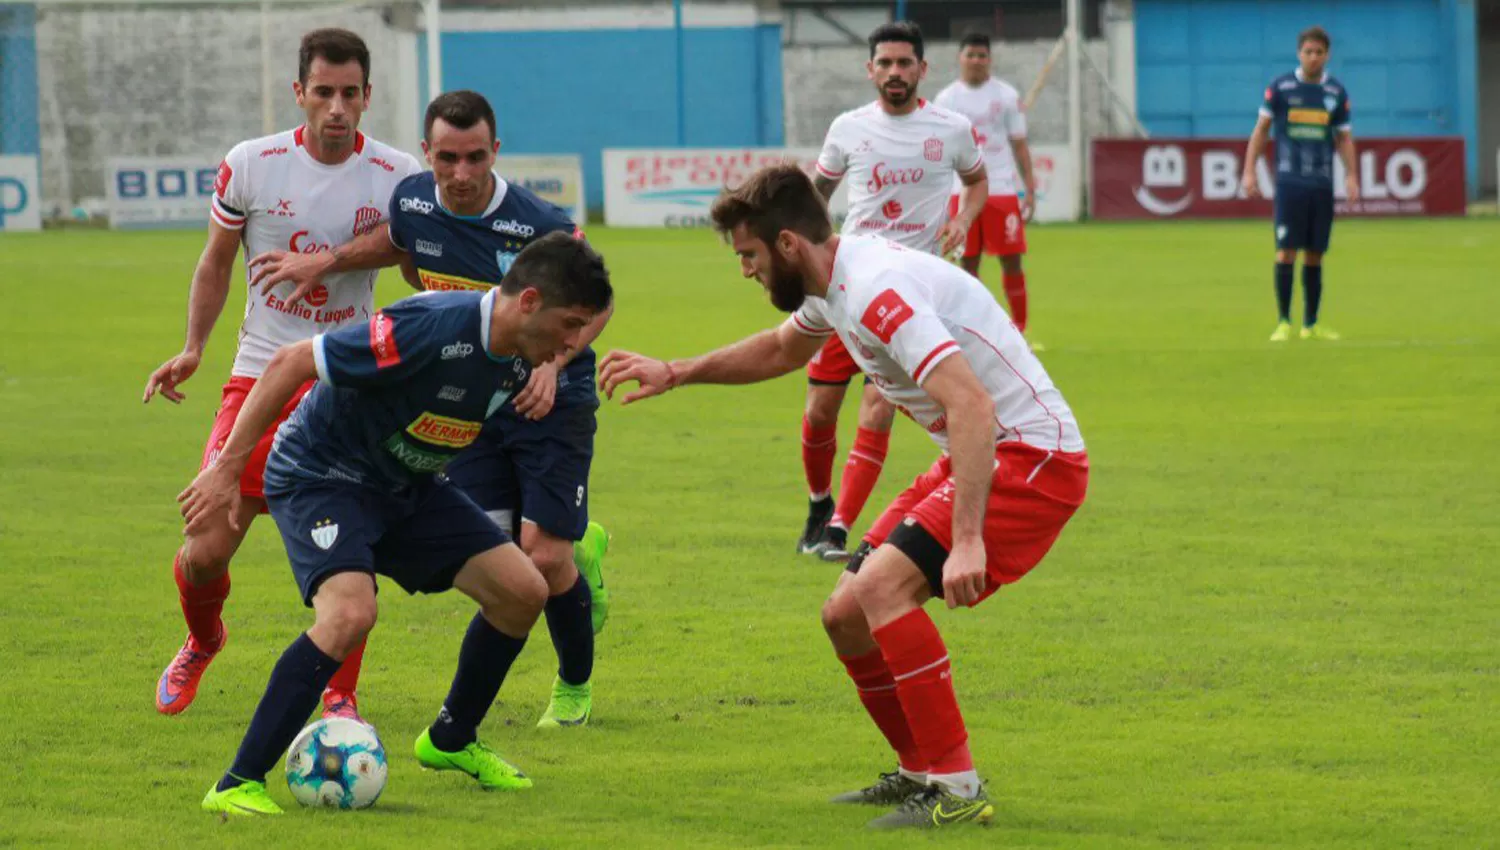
(461, 109)
(564, 269)
(903, 31)
(1315, 34)
(335, 46)
(773, 199)
(974, 39)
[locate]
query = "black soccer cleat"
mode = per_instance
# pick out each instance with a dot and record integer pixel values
(833, 546)
(819, 511)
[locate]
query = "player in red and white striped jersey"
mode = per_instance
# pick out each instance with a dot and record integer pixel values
(304, 190)
(1012, 472)
(901, 155)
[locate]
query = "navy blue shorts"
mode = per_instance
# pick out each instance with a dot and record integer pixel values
(1304, 217)
(421, 541)
(537, 471)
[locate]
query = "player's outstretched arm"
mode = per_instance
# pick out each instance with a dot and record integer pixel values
(1253, 150)
(373, 250)
(971, 443)
(216, 490)
(766, 355)
(210, 288)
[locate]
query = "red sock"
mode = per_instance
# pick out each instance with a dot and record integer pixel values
(201, 606)
(1015, 295)
(819, 447)
(918, 661)
(346, 678)
(877, 690)
(861, 472)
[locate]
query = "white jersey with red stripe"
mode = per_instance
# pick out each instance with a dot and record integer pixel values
(284, 200)
(900, 169)
(994, 108)
(902, 312)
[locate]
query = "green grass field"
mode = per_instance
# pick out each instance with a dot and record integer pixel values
(1274, 622)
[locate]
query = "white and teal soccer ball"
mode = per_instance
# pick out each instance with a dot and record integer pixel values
(336, 763)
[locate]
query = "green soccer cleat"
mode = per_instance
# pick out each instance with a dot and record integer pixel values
(889, 790)
(1282, 333)
(570, 706)
(935, 807)
(245, 800)
(1320, 332)
(478, 760)
(588, 554)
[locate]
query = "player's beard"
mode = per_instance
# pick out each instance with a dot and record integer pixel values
(897, 99)
(785, 285)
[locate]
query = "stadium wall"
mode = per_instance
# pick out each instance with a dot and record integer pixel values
(1410, 65)
(19, 132)
(577, 78)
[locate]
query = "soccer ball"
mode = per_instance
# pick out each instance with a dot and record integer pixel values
(336, 763)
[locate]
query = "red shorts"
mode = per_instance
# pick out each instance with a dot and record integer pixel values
(999, 230)
(832, 364)
(1033, 495)
(251, 483)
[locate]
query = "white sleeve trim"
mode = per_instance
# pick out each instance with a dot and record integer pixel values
(320, 360)
(1265, 113)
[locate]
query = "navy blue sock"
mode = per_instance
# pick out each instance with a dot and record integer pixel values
(483, 661)
(297, 681)
(1312, 293)
(1284, 291)
(570, 619)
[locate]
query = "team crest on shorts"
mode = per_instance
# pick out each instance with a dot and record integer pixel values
(324, 532)
(932, 149)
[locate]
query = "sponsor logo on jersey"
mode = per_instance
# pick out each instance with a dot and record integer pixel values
(428, 247)
(270, 152)
(383, 340)
(452, 393)
(366, 219)
(283, 209)
(513, 228)
(300, 244)
(444, 430)
(439, 282)
(932, 149)
(416, 205)
(318, 296)
(891, 209)
(375, 160)
(457, 350)
(221, 180)
(413, 458)
(1308, 116)
(882, 175)
(1286, 85)
(886, 314)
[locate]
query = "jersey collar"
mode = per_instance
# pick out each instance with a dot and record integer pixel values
(501, 188)
(1319, 81)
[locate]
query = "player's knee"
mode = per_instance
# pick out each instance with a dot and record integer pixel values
(841, 614)
(528, 595)
(556, 565)
(206, 557)
(1011, 263)
(822, 410)
(1312, 258)
(349, 620)
(876, 414)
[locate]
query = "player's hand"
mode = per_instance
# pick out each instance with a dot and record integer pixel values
(1028, 206)
(537, 398)
(1251, 185)
(1351, 188)
(169, 375)
(964, 574)
(213, 494)
(952, 236)
(654, 376)
(305, 271)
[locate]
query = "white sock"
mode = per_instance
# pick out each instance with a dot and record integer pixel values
(919, 778)
(965, 785)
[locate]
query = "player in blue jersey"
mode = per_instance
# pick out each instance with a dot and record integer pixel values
(1308, 112)
(353, 487)
(459, 227)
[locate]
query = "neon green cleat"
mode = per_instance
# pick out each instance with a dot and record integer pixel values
(478, 760)
(570, 706)
(588, 554)
(244, 800)
(1282, 333)
(935, 808)
(1320, 332)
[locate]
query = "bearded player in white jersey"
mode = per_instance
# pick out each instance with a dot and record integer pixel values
(901, 155)
(303, 190)
(1013, 467)
(994, 108)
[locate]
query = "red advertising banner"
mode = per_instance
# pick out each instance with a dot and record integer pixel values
(1200, 178)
